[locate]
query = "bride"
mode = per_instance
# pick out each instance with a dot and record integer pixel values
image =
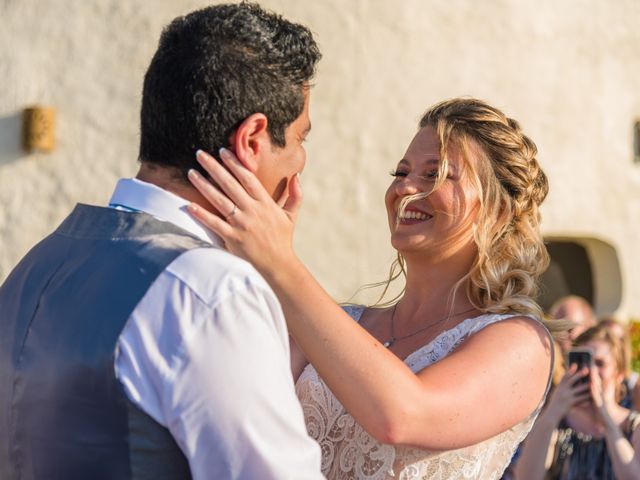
(445, 382)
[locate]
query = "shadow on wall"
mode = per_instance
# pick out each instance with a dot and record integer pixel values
(584, 266)
(11, 138)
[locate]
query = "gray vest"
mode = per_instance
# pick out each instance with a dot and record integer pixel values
(63, 413)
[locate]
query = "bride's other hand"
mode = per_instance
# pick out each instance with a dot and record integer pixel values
(256, 227)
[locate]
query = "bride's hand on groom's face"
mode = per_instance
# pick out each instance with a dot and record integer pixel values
(250, 223)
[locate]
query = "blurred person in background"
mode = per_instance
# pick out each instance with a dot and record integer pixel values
(583, 433)
(577, 310)
(631, 398)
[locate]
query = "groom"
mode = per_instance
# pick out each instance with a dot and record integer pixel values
(132, 345)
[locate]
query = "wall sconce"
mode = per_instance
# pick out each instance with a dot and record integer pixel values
(39, 128)
(636, 142)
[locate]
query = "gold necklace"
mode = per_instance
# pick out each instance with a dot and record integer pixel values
(394, 339)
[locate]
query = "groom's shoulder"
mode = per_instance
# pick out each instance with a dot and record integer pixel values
(208, 270)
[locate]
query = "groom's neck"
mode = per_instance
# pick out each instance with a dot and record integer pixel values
(171, 180)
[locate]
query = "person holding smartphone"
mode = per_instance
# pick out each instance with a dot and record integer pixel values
(583, 432)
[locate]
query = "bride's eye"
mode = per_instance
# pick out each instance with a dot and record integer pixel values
(431, 175)
(398, 173)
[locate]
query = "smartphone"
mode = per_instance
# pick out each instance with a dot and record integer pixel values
(582, 357)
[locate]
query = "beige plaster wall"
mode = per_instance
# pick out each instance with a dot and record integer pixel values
(568, 70)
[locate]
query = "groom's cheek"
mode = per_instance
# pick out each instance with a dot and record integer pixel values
(279, 189)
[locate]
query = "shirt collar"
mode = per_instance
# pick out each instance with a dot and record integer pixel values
(134, 194)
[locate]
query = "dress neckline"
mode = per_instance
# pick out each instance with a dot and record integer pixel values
(461, 326)
(413, 359)
(356, 311)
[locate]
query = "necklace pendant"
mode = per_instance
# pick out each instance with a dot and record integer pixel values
(389, 342)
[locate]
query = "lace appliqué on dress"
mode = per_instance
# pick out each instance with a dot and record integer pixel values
(349, 452)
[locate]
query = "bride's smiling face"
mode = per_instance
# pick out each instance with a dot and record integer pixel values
(441, 223)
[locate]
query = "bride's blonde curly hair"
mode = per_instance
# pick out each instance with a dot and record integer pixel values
(510, 251)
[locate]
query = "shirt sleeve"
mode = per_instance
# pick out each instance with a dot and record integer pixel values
(215, 372)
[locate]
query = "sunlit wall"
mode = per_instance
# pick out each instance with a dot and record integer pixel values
(569, 71)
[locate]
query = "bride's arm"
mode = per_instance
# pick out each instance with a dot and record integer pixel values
(492, 381)
(298, 360)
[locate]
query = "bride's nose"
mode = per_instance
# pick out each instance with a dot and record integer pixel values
(407, 186)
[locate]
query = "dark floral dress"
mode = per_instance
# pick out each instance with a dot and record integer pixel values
(578, 456)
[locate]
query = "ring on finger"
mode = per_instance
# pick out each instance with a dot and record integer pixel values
(233, 211)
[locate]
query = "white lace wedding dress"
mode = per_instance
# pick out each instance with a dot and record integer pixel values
(349, 452)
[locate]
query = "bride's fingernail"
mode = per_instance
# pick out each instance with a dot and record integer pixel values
(192, 173)
(224, 153)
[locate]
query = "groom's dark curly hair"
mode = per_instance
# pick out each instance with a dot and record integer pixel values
(213, 68)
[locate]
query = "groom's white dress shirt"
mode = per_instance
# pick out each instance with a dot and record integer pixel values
(206, 354)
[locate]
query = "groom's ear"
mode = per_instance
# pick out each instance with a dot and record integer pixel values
(249, 140)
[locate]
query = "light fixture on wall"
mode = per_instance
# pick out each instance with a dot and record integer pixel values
(39, 129)
(636, 142)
